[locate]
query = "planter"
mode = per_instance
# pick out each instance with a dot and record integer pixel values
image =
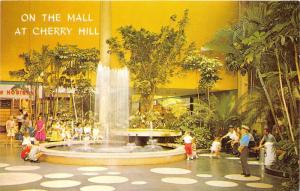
(274, 172)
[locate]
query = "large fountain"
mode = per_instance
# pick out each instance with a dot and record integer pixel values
(112, 121)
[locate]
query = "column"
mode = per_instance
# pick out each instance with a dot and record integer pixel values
(105, 31)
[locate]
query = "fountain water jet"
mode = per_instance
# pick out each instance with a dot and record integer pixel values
(112, 101)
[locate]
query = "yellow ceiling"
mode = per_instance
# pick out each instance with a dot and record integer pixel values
(205, 19)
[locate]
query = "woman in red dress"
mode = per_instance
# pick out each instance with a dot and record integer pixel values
(40, 132)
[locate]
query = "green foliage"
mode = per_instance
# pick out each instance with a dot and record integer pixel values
(202, 113)
(255, 105)
(63, 66)
(160, 120)
(173, 107)
(168, 119)
(192, 123)
(34, 66)
(207, 121)
(58, 67)
(197, 123)
(222, 41)
(266, 40)
(152, 58)
(203, 136)
(225, 111)
(288, 162)
(73, 64)
(261, 26)
(84, 87)
(142, 120)
(208, 68)
(137, 121)
(263, 29)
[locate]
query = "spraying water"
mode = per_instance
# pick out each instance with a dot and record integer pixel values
(112, 101)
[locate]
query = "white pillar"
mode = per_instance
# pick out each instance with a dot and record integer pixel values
(105, 31)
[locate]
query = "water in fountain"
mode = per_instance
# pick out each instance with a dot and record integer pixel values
(152, 143)
(112, 101)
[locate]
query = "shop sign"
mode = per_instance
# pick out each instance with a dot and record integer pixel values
(10, 91)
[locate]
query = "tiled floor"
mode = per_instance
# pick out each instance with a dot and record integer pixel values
(202, 174)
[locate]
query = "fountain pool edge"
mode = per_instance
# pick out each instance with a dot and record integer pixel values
(88, 158)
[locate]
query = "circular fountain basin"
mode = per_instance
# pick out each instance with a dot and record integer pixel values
(52, 155)
(148, 132)
(142, 136)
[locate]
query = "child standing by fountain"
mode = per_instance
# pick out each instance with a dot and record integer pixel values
(188, 145)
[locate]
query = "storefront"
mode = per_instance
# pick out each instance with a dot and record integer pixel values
(15, 96)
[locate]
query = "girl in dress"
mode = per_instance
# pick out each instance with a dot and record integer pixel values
(10, 129)
(188, 146)
(216, 147)
(40, 132)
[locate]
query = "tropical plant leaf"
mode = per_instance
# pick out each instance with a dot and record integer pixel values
(222, 42)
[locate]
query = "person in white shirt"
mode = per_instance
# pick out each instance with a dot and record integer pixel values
(231, 136)
(188, 145)
(235, 142)
(20, 119)
(35, 153)
(26, 139)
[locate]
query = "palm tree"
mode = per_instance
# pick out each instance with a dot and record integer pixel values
(257, 39)
(33, 72)
(225, 111)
